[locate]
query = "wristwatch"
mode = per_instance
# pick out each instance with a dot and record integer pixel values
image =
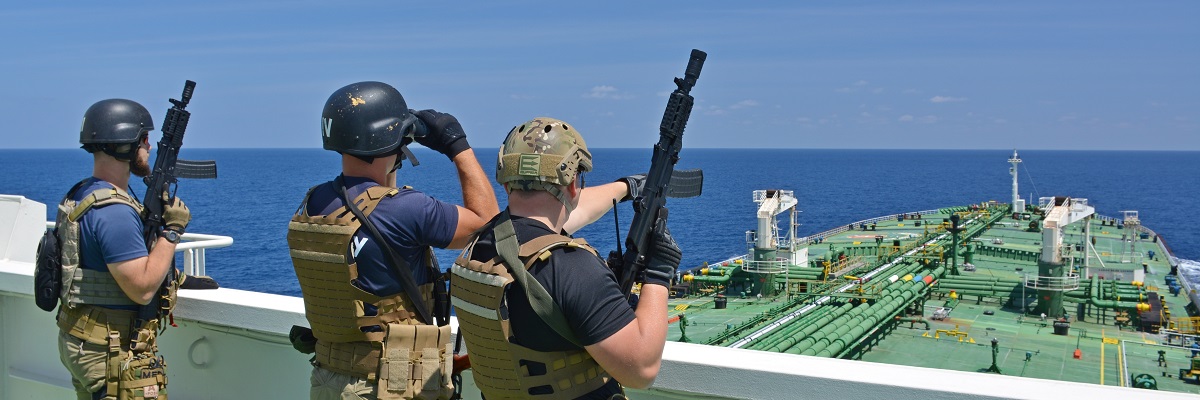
(171, 235)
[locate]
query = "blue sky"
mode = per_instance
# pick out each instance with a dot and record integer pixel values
(933, 75)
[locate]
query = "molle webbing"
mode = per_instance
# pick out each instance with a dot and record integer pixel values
(502, 368)
(334, 307)
(85, 286)
(412, 360)
(358, 359)
(95, 287)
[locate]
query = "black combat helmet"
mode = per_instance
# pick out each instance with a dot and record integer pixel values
(114, 122)
(366, 119)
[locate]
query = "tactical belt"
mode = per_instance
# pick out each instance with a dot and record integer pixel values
(357, 359)
(93, 324)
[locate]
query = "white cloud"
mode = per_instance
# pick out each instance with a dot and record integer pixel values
(744, 104)
(928, 119)
(843, 90)
(877, 90)
(606, 92)
(714, 110)
(804, 119)
(861, 83)
(1001, 121)
(1068, 117)
(946, 99)
(865, 114)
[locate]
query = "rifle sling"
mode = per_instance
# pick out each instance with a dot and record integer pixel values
(539, 299)
(402, 268)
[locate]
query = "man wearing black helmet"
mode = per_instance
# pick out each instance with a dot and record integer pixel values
(367, 273)
(107, 270)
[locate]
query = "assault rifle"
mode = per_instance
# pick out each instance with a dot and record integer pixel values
(160, 189)
(650, 206)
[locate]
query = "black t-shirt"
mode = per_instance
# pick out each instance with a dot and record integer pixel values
(582, 286)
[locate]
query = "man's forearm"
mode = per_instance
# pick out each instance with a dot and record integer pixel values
(594, 202)
(477, 192)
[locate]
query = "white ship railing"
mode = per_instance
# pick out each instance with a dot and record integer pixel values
(233, 344)
(1055, 283)
(766, 266)
(846, 227)
(193, 247)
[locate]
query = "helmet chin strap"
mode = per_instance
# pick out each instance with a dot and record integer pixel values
(128, 156)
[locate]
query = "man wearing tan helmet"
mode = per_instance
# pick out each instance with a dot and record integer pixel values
(563, 329)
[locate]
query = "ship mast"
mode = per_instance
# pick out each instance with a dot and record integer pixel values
(1018, 204)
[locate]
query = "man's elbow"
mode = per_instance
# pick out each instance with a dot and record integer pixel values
(641, 378)
(143, 299)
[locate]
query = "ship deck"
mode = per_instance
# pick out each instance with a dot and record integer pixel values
(1005, 251)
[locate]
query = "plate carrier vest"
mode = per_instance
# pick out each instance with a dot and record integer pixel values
(132, 369)
(408, 358)
(501, 367)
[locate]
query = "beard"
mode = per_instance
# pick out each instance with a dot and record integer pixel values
(140, 166)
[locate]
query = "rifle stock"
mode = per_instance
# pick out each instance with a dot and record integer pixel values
(650, 206)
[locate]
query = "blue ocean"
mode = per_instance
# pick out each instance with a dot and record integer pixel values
(259, 189)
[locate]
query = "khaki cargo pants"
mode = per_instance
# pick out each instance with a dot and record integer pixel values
(87, 363)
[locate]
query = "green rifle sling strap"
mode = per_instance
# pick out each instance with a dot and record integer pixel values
(543, 305)
(402, 268)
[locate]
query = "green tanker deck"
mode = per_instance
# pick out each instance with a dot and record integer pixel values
(983, 287)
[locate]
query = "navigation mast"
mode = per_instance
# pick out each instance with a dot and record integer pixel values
(1018, 204)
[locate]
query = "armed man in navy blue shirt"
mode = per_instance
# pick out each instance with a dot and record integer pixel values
(543, 316)
(361, 247)
(107, 271)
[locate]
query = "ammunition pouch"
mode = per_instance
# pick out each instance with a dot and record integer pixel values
(135, 375)
(412, 361)
(302, 339)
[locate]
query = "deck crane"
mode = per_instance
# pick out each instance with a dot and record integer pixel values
(1055, 276)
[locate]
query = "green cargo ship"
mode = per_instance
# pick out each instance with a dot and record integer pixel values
(1048, 290)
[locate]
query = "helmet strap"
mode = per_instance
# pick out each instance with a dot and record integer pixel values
(112, 150)
(561, 195)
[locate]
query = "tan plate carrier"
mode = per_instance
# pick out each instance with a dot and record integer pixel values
(501, 367)
(407, 359)
(133, 371)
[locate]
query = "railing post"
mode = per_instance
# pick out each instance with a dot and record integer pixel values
(189, 264)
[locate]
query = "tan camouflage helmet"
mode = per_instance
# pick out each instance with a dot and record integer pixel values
(542, 154)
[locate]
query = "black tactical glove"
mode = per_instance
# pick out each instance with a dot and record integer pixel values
(663, 258)
(445, 134)
(636, 183)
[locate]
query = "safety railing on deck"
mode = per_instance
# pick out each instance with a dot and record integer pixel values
(846, 227)
(193, 247)
(766, 266)
(1055, 283)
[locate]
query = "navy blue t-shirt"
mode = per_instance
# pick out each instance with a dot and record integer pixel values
(409, 221)
(582, 286)
(109, 234)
